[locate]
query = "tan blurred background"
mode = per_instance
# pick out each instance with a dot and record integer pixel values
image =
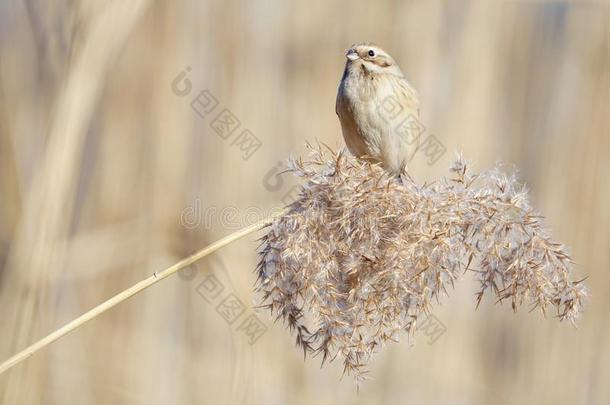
(107, 174)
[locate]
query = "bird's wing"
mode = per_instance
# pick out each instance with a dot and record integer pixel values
(406, 94)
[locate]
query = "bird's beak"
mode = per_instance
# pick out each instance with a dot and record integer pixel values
(352, 54)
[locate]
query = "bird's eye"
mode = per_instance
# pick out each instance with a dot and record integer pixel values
(371, 53)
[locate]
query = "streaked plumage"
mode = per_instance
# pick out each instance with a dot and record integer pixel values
(372, 78)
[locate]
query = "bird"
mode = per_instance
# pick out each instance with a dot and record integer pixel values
(378, 109)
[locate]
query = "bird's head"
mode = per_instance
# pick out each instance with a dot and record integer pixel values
(371, 59)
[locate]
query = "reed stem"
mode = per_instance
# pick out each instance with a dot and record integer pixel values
(129, 292)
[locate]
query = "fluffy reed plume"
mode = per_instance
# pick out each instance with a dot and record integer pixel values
(361, 255)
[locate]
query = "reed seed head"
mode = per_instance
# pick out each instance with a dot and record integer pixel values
(361, 255)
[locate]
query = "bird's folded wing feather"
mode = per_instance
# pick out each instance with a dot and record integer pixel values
(407, 95)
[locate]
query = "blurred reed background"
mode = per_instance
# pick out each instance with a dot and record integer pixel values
(108, 174)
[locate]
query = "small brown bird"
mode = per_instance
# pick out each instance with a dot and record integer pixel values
(378, 109)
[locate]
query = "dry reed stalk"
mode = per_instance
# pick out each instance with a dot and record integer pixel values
(130, 292)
